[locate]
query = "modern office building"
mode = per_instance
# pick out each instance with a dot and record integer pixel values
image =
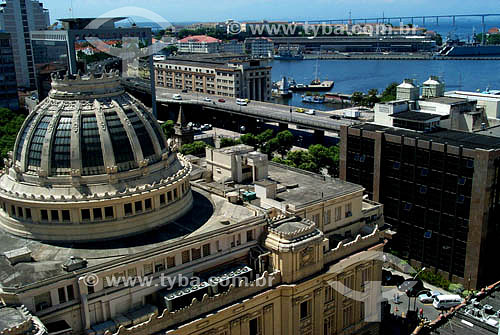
(91, 164)
(236, 78)
(19, 18)
(8, 84)
(198, 44)
(440, 190)
(259, 46)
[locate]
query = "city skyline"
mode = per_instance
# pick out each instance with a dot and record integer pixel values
(264, 9)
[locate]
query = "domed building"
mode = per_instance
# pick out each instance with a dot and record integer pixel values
(91, 163)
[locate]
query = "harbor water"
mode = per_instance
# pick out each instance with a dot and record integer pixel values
(362, 75)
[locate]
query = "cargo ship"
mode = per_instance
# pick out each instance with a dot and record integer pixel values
(456, 48)
(315, 86)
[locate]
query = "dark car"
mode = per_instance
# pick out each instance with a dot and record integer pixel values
(184, 91)
(222, 100)
(411, 287)
(389, 279)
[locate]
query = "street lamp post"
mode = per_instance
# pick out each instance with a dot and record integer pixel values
(415, 297)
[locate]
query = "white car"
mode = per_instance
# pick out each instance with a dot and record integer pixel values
(428, 297)
(310, 112)
(207, 99)
(206, 126)
(177, 97)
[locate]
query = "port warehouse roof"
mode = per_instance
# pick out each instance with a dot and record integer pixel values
(452, 137)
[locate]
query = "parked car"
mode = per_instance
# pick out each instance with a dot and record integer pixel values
(428, 297)
(184, 91)
(206, 126)
(222, 100)
(389, 279)
(177, 97)
(241, 102)
(411, 287)
(207, 99)
(300, 110)
(310, 112)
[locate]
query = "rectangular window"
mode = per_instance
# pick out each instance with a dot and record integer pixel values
(90, 289)
(55, 215)
(328, 294)
(132, 272)
(71, 292)
(65, 215)
(348, 283)
(185, 257)
(148, 204)
(217, 246)
(206, 250)
(28, 213)
(85, 214)
(238, 239)
(195, 253)
(175, 194)
(128, 209)
(348, 210)
(148, 269)
(347, 317)
(62, 295)
(169, 196)
(43, 301)
(20, 212)
(365, 278)
(338, 214)
(315, 218)
(97, 213)
(328, 216)
(13, 210)
(159, 266)
(45, 215)
(254, 326)
(108, 212)
(305, 309)
(138, 206)
(162, 199)
(170, 262)
(249, 235)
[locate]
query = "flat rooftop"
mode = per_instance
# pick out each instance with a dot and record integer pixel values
(206, 215)
(415, 116)
(303, 187)
(446, 100)
(452, 137)
(235, 149)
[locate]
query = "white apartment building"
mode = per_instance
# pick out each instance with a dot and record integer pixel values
(198, 44)
(250, 79)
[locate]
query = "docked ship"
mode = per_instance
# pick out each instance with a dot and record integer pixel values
(315, 86)
(314, 99)
(282, 89)
(457, 48)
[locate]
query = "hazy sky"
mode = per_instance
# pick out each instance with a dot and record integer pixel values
(218, 10)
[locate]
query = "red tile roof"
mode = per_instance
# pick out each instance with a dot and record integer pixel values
(199, 38)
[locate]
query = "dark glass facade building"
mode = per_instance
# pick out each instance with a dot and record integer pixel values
(440, 193)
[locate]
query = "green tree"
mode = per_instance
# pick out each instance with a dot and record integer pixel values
(228, 142)
(389, 93)
(285, 142)
(298, 157)
(324, 157)
(271, 146)
(168, 128)
(249, 139)
(357, 98)
(264, 137)
(372, 97)
(195, 148)
(10, 124)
